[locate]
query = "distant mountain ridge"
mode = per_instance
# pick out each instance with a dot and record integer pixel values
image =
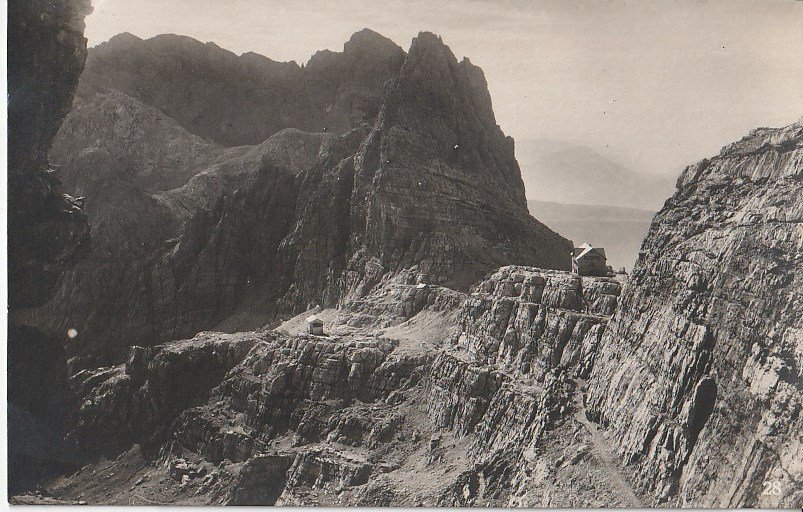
(618, 230)
(237, 100)
(570, 173)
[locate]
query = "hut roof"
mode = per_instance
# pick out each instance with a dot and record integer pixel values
(587, 248)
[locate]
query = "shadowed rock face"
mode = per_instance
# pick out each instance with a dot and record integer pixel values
(45, 57)
(699, 374)
(237, 100)
(47, 230)
(190, 235)
(432, 183)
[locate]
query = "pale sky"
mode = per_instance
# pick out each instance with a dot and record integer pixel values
(654, 85)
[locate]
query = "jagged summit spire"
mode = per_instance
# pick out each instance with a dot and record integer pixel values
(427, 44)
(427, 36)
(432, 84)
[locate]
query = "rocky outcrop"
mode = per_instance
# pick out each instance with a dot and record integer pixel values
(276, 388)
(323, 468)
(395, 298)
(137, 402)
(366, 413)
(194, 236)
(530, 321)
(261, 480)
(47, 230)
(524, 337)
(525, 324)
(459, 393)
(698, 377)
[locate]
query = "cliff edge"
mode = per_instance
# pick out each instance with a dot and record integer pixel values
(698, 377)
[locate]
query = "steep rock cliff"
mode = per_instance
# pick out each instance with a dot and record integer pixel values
(698, 377)
(526, 338)
(166, 265)
(47, 229)
(191, 235)
(433, 183)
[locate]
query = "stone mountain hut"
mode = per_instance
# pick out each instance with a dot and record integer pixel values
(590, 261)
(315, 325)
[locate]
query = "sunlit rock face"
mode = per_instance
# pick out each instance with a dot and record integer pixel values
(404, 166)
(698, 376)
(531, 321)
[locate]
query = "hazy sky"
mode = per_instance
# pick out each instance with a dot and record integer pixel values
(656, 85)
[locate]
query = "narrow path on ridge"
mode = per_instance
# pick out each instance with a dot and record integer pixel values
(600, 451)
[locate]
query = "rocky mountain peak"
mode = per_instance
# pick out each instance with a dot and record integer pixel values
(386, 161)
(429, 59)
(432, 65)
(367, 41)
(426, 39)
(365, 52)
(238, 100)
(123, 39)
(448, 101)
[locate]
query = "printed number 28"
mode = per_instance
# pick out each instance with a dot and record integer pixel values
(772, 488)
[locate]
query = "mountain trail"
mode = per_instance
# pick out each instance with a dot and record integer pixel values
(599, 449)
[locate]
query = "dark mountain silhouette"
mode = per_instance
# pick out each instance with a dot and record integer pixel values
(237, 100)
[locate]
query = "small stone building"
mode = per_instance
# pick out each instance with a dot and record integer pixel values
(590, 261)
(315, 325)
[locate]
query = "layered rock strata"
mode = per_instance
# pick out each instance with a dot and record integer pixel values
(698, 378)
(356, 415)
(525, 338)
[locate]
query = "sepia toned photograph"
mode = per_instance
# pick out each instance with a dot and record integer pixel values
(405, 253)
